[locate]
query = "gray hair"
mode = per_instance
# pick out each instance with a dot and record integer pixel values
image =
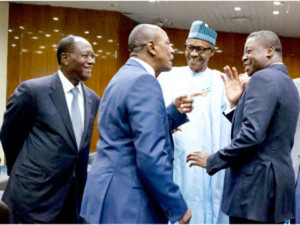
(141, 34)
(268, 39)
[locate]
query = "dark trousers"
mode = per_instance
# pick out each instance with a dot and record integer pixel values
(69, 213)
(237, 220)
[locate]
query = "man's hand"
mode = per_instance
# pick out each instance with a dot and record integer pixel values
(186, 218)
(233, 86)
(177, 129)
(184, 104)
(198, 159)
(244, 79)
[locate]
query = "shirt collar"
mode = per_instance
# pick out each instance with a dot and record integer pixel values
(206, 71)
(67, 85)
(277, 63)
(145, 65)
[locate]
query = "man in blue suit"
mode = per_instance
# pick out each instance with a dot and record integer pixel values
(259, 185)
(131, 180)
(46, 137)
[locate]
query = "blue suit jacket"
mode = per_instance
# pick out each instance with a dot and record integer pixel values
(131, 180)
(259, 183)
(39, 144)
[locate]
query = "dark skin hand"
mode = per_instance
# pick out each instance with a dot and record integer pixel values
(198, 159)
(184, 103)
(244, 80)
(177, 129)
(233, 85)
(186, 218)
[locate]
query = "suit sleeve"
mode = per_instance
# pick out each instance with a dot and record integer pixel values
(260, 102)
(147, 114)
(175, 118)
(17, 122)
(229, 115)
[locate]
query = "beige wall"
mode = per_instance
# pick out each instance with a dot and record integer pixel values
(3, 62)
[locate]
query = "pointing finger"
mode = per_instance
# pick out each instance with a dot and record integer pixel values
(196, 94)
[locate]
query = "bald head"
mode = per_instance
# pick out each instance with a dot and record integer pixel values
(141, 35)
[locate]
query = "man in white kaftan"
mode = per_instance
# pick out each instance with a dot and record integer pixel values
(207, 130)
(295, 154)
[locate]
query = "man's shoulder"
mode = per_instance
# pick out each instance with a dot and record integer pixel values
(41, 81)
(174, 73)
(180, 69)
(133, 73)
(270, 73)
(129, 72)
(214, 72)
(127, 78)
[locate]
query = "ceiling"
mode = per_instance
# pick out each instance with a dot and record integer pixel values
(219, 15)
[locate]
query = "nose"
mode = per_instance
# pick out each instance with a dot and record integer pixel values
(91, 60)
(194, 52)
(244, 58)
(172, 50)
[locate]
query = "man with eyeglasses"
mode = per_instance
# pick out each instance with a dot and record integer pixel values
(208, 129)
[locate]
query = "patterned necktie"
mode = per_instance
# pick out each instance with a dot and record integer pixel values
(76, 116)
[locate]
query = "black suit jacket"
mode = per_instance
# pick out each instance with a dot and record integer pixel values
(259, 182)
(39, 144)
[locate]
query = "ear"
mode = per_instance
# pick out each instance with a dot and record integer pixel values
(270, 51)
(64, 58)
(151, 48)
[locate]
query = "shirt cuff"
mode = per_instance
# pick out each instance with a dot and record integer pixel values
(229, 110)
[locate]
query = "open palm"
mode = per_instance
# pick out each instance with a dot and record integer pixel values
(233, 86)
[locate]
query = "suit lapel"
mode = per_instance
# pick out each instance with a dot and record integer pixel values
(87, 113)
(58, 97)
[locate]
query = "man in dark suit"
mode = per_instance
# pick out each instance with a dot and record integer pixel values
(131, 180)
(259, 182)
(46, 137)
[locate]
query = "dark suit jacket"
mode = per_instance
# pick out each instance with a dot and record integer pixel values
(131, 179)
(40, 147)
(259, 182)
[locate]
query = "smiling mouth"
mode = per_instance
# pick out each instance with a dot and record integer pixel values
(194, 60)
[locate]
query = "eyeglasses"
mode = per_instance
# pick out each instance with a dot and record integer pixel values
(199, 49)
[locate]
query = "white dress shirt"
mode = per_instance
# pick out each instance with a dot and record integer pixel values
(67, 87)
